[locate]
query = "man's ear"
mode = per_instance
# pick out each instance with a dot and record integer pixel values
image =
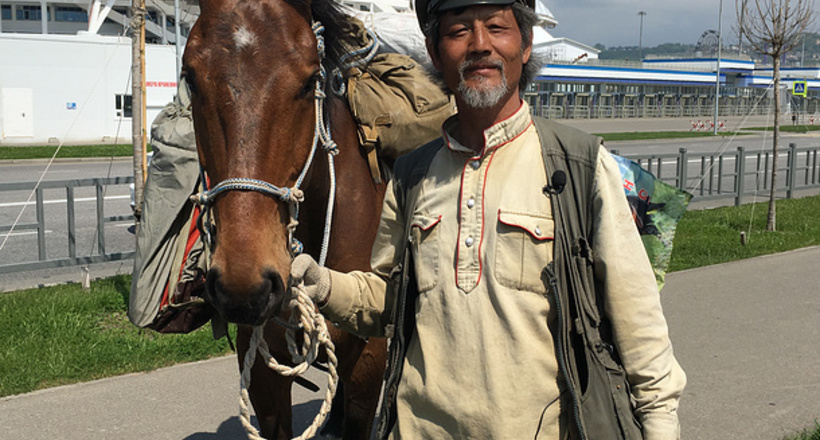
(433, 53)
(528, 50)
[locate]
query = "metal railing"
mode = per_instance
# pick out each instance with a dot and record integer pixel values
(729, 175)
(737, 174)
(97, 254)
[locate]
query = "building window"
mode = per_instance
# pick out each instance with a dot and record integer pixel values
(29, 13)
(123, 105)
(6, 12)
(70, 13)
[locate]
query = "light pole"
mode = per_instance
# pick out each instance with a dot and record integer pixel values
(717, 68)
(640, 36)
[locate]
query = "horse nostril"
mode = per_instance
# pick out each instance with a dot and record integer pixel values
(278, 289)
(245, 303)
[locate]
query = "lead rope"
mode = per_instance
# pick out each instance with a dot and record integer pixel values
(307, 317)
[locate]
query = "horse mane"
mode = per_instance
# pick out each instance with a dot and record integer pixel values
(340, 37)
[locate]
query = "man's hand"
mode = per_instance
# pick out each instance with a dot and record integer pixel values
(316, 278)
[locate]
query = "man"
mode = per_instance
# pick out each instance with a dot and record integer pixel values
(474, 331)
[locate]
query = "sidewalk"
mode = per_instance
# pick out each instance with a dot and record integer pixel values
(745, 332)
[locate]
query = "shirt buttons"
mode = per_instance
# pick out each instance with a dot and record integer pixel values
(475, 164)
(471, 202)
(537, 231)
(469, 241)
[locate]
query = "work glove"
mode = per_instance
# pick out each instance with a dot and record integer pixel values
(316, 278)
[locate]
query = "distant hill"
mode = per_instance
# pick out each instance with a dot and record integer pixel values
(632, 53)
(810, 51)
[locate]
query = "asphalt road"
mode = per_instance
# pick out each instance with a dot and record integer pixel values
(16, 207)
(21, 246)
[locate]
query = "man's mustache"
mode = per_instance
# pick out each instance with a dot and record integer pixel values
(479, 63)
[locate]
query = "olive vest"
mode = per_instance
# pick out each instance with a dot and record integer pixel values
(588, 360)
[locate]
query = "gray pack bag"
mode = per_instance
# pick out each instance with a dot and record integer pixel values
(168, 281)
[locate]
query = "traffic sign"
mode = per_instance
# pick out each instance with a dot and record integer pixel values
(799, 88)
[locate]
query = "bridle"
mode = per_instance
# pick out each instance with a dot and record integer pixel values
(294, 195)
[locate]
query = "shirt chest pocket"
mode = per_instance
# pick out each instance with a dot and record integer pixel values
(424, 244)
(524, 247)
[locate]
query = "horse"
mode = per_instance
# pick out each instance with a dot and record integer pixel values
(255, 70)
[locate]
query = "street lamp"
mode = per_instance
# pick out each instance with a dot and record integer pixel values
(717, 67)
(640, 36)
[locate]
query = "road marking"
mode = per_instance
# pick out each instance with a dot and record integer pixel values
(54, 202)
(20, 234)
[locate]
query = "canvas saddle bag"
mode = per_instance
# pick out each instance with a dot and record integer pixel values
(168, 280)
(397, 106)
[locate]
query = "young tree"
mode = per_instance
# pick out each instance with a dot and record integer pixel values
(773, 28)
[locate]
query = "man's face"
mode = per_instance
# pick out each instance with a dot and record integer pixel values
(480, 54)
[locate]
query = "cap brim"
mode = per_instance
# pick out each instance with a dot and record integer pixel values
(448, 5)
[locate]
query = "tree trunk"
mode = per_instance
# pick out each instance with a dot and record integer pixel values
(771, 220)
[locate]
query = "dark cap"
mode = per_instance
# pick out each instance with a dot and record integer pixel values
(426, 8)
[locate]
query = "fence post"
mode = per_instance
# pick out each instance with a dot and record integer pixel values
(683, 171)
(741, 175)
(41, 224)
(792, 170)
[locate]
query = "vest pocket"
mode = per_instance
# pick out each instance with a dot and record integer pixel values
(424, 243)
(523, 249)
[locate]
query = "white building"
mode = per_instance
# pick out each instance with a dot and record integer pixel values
(65, 69)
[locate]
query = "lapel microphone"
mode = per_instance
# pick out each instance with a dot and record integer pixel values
(558, 182)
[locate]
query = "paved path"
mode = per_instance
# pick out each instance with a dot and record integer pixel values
(745, 332)
(747, 335)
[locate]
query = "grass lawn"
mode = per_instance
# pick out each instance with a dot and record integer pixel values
(807, 434)
(62, 334)
(788, 128)
(67, 151)
(645, 135)
(712, 236)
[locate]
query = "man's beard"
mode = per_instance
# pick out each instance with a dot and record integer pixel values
(483, 95)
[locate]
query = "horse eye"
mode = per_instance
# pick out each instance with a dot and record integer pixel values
(189, 78)
(310, 86)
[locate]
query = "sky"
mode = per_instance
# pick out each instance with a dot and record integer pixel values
(617, 23)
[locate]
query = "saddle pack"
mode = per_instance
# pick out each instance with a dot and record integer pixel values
(397, 106)
(168, 280)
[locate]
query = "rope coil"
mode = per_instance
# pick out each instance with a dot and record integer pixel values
(304, 315)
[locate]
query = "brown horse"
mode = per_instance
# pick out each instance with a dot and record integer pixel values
(253, 69)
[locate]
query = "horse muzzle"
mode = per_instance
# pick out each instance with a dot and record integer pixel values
(249, 303)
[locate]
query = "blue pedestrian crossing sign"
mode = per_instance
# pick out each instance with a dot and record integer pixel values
(799, 88)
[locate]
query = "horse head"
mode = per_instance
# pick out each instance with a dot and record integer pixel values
(252, 69)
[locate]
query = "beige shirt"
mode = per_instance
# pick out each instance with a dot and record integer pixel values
(482, 364)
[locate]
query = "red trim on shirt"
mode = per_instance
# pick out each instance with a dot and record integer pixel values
(483, 204)
(430, 226)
